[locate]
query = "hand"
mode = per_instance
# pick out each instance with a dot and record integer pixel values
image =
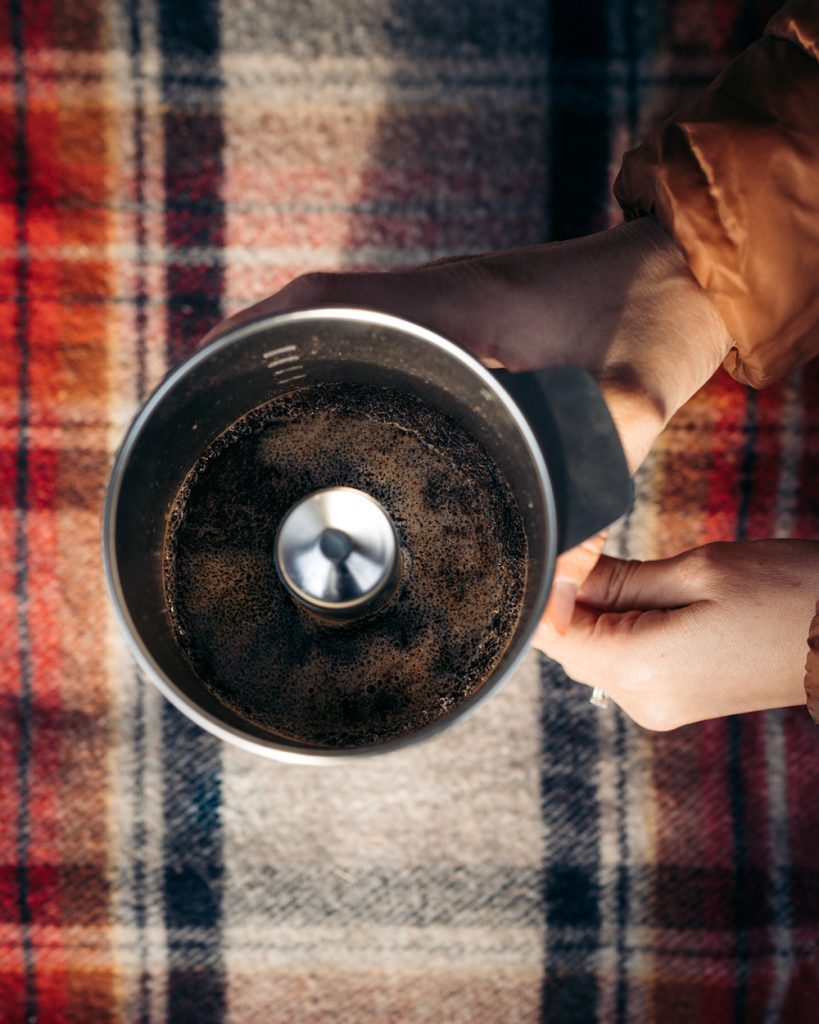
(621, 304)
(718, 630)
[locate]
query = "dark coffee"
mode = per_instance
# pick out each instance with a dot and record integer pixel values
(434, 643)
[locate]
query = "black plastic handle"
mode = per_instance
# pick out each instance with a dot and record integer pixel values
(572, 424)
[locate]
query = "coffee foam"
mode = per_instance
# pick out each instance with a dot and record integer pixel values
(435, 642)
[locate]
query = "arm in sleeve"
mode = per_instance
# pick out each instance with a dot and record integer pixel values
(733, 176)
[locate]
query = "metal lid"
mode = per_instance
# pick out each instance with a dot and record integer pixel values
(337, 553)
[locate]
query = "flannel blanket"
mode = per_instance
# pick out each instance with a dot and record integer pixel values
(164, 162)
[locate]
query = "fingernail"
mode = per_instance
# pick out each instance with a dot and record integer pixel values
(561, 605)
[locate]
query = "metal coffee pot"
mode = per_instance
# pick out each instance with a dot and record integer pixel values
(549, 431)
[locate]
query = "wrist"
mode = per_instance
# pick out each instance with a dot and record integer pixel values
(656, 336)
(691, 339)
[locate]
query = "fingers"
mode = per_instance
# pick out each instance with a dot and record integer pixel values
(571, 570)
(597, 601)
(619, 651)
(633, 624)
(492, 305)
(616, 585)
(401, 293)
(398, 293)
(449, 298)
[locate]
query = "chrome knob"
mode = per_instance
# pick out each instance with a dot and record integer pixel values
(336, 552)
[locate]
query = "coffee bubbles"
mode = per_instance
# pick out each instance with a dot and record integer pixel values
(434, 643)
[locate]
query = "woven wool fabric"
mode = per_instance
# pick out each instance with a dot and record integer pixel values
(165, 163)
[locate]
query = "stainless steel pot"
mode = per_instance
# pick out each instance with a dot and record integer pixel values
(549, 431)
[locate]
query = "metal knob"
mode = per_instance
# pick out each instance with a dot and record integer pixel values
(337, 552)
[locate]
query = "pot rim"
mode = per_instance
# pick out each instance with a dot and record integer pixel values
(282, 750)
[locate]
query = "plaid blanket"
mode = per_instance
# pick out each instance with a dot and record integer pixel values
(163, 163)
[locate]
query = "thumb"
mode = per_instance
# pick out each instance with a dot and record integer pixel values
(618, 585)
(571, 569)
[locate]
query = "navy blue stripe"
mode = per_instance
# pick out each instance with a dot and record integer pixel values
(579, 129)
(194, 142)
(577, 160)
(21, 202)
(193, 880)
(571, 817)
(750, 22)
(193, 854)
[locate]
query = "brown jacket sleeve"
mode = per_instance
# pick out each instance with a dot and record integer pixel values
(734, 177)
(812, 668)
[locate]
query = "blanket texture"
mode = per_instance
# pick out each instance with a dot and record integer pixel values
(163, 163)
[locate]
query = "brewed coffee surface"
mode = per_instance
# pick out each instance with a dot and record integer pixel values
(435, 642)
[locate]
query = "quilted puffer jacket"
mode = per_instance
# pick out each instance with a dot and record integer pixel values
(733, 176)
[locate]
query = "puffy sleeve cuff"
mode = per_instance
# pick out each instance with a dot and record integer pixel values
(732, 176)
(812, 668)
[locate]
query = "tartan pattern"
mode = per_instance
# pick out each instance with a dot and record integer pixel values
(165, 163)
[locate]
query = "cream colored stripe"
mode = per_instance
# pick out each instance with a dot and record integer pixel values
(378, 947)
(633, 808)
(608, 797)
(468, 796)
(239, 68)
(406, 980)
(133, 812)
(641, 838)
(137, 818)
(235, 255)
(377, 996)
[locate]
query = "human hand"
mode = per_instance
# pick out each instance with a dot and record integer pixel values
(621, 304)
(717, 630)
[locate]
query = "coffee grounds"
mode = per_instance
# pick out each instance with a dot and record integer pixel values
(435, 642)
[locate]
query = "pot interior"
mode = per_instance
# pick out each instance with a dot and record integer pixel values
(234, 374)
